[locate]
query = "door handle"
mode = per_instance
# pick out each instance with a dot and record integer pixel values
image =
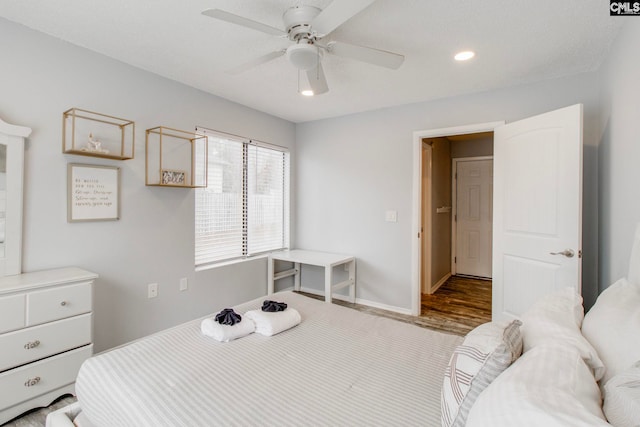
(567, 252)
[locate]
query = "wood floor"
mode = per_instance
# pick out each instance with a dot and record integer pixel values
(462, 303)
(457, 307)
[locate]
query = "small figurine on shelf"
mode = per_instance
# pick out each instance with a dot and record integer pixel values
(94, 145)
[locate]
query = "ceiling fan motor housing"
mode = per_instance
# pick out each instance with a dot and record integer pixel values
(297, 21)
(304, 55)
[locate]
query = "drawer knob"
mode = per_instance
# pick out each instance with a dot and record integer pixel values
(32, 344)
(32, 381)
(63, 303)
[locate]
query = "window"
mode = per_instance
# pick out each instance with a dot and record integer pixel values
(244, 210)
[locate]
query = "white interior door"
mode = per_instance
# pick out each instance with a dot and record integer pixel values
(474, 203)
(537, 219)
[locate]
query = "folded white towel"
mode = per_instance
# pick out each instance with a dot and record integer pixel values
(226, 333)
(271, 323)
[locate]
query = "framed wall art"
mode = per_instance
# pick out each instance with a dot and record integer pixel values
(93, 193)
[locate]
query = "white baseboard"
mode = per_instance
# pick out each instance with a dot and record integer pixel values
(393, 308)
(321, 293)
(440, 283)
(361, 301)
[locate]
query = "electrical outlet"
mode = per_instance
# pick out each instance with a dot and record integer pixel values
(184, 284)
(152, 290)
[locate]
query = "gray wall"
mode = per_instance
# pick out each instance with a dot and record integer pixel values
(153, 241)
(353, 168)
(619, 154)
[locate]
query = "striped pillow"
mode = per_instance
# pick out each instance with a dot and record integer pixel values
(486, 351)
(622, 398)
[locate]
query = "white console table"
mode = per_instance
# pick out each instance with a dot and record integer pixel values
(320, 259)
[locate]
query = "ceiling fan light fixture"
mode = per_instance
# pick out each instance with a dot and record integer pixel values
(303, 56)
(304, 87)
(464, 55)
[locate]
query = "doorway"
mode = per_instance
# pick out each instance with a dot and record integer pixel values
(435, 216)
(537, 236)
(457, 178)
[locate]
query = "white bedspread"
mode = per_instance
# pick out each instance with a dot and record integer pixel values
(338, 367)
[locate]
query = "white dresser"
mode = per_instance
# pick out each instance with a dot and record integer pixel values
(45, 335)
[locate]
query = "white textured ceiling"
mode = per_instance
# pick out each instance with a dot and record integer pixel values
(516, 42)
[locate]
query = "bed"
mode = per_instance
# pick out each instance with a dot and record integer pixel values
(343, 367)
(339, 366)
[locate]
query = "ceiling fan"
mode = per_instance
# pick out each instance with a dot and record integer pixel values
(306, 27)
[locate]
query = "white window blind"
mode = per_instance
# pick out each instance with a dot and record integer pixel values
(244, 210)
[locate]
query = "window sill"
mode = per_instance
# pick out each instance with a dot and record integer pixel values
(212, 266)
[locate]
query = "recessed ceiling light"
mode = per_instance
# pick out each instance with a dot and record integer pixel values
(307, 92)
(464, 56)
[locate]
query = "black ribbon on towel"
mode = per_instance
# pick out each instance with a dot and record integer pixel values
(272, 306)
(228, 317)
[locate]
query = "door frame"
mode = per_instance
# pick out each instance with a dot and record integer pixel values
(454, 203)
(426, 224)
(416, 220)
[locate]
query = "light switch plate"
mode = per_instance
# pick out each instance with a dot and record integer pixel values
(391, 216)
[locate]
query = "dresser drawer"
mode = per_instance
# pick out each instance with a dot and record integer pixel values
(37, 342)
(58, 303)
(41, 377)
(12, 313)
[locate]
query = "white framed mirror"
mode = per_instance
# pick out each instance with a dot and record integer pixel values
(11, 182)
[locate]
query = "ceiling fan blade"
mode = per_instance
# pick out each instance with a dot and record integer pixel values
(255, 62)
(337, 13)
(373, 56)
(245, 22)
(317, 80)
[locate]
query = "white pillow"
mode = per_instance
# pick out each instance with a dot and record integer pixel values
(622, 398)
(485, 352)
(557, 318)
(634, 263)
(550, 386)
(612, 326)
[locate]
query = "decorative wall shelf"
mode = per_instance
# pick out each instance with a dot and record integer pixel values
(175, 158)
(86, 133)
